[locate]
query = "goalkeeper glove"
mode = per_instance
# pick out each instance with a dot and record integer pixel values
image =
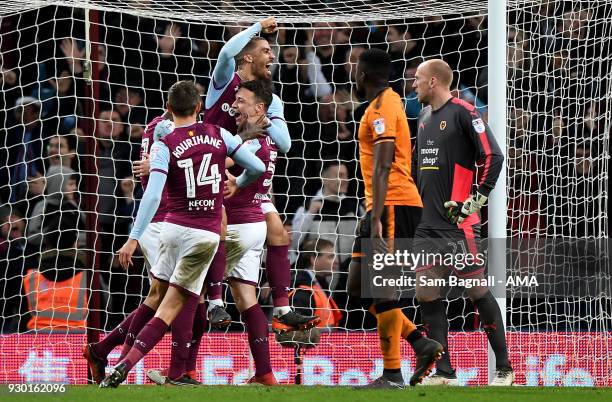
(456, 212)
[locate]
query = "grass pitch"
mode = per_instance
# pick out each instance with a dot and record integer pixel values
(150, 393)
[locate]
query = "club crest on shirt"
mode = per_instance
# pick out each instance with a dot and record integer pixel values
(442, 125)
(379, 126)
(479, 126)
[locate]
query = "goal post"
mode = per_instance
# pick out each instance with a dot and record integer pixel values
(498, 207)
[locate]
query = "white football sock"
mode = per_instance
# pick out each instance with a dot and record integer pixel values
(278, 311)
(214, 302)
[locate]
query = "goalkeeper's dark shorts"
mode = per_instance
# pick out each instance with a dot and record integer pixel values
(449, 250)
(398, 222)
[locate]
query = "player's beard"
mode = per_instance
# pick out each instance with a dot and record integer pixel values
(267, 80)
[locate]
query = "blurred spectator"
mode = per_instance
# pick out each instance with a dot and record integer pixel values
(471, 54)
(520, 127)
(59, 99)
(291, 82)
(59, 177)
(12, 246)
(56, 289)
(36, 189)
(61, 154)
(24, 144)
(403, 50)
(11, 232)
(127, 207)
(10, 89)
(129, 103)
(573, 24)
(312, 282)
(329, 215)
(330, 47)
(59, 195)
(170, 63)
(412, 104)
(319, 83)
(583, 162)
(113, 163)
(350, 70)
(595, 118)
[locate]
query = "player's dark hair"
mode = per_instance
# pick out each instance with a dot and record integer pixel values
(248, 48)
(183, 98)
(261, 89)
(376, 64)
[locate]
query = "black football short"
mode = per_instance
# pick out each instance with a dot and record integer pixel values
(457, 250)
(398, 222)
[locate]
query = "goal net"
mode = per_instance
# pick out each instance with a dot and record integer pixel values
(80, 84)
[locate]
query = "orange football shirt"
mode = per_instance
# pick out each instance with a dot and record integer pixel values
(385, 120)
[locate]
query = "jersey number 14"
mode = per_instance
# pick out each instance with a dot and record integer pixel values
(205, 175)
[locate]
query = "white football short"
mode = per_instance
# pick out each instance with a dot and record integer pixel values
(244, 246)
(184, 256)
(149, 244)
(267, 207)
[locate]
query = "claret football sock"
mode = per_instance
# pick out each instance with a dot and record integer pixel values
(115, 338)
(214, 276)
(256, 324)
(278, 271)
(199, 326)
(143, 314)
(146, 340)
(182, 328)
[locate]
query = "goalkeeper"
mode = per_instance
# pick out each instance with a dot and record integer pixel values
(452, 138)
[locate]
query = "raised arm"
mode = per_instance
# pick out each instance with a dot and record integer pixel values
(224, 69)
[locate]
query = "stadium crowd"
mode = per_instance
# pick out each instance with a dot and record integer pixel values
(55, 158)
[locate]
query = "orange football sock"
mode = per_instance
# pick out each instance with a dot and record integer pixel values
(408, 326)
(372, 310)
(389, 332)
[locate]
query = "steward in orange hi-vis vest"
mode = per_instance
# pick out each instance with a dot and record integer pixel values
(57, 300)
(321, 305)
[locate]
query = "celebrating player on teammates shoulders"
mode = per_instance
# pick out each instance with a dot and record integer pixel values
(193, 156)
(247, 57)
